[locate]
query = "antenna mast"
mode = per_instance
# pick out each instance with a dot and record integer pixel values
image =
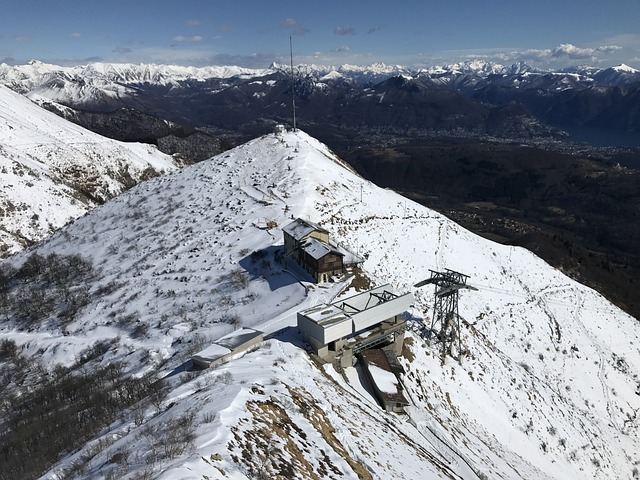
(293, 91)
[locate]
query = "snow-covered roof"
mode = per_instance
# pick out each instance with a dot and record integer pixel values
(360, 312)
(382, 375)
(239, 337)
(299, 228)
(325, 314)
(212, 352)
(349, 257)
(318, 249)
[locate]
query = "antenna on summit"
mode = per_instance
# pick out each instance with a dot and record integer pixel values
(293, 90)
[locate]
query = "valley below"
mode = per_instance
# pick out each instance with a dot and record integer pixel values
(579, 213)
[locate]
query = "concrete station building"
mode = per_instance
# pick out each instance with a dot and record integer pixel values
(354, 324)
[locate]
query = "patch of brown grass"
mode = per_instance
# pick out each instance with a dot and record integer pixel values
(316, 416)
(406, 349)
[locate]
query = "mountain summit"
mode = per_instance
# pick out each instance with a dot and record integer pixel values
(547, 387)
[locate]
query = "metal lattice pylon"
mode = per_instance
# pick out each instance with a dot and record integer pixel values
(445, 324)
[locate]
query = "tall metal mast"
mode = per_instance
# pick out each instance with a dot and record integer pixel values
(293, 90)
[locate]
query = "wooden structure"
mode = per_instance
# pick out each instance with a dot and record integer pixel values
(308, 244)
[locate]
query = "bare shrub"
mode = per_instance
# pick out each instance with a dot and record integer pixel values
(239, 278)
(179, 435)
(7, 274)
(232, 318)
(144, 474)
(209, 417)
(137, 412)
(140, 330)
(8, 350)
(32, 268)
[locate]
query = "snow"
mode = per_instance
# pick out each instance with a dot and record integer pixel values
(547, 388)
(384, 380)
(47, 162)
(625, 68)
(213, 352)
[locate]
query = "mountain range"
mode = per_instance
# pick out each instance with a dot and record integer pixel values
(546, 387)
(476, 99)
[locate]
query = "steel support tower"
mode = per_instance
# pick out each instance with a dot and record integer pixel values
(445, 324)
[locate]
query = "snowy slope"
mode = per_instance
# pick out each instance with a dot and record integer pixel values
(548, 388)
(53, 171)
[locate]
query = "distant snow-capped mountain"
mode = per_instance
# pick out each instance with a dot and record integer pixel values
(547, 388)
(248, 102)
(53, 171)
(99, 82)
(618, 75)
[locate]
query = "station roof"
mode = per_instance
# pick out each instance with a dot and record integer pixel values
(356, 306)
(325, 315)
(369, 299)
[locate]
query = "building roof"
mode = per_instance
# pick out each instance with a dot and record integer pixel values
(363, 310)
(325, 315)
(317, 249)
(386, 381)
(299, 228)
(369, 299)
(226, 346)
(349, 257)
(212, 353)
(238, 338)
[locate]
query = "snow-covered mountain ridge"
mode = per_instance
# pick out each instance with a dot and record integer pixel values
(53, 171)
(548, 388)
(234, 99)
(88, 83)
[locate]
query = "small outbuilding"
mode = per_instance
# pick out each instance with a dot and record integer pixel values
(383, 379)
(226, 347)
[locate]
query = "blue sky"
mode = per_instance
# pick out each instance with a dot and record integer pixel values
(256, 33)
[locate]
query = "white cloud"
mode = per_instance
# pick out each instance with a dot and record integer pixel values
(75, 34)
(293, 24)
(344, 30)
(184, 38)
(609, 48)
(563, 55)
(571, 51)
